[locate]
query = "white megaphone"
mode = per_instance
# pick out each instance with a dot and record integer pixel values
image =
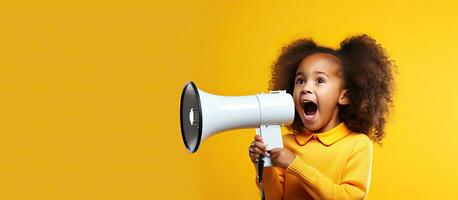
(203, 115)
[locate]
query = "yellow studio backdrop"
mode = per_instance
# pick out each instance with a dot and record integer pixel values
(90, 91)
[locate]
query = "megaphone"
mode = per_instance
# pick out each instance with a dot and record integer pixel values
(203, 115)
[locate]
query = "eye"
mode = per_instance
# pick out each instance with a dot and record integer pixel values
(320, 80)
(299, 81)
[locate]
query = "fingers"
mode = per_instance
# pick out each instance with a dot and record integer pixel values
(275, 150)
(254, 157)
(257, 148)
(258, 138)
(260, 145)
(275, 153)
(274, 156)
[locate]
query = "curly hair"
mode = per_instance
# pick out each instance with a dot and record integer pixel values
(367, 75)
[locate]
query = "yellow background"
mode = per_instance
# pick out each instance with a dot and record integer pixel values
(89, 105)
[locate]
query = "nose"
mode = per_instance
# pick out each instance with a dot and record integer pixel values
(307, 88)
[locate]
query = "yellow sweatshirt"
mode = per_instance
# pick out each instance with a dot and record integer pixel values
(331, 165)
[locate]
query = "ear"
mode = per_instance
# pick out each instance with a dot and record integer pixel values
(343, 98)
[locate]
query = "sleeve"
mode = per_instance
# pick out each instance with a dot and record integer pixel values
(355, 179)
(272, 182)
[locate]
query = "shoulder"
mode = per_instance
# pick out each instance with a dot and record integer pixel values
(288, 136)
(359, 141)
(289, 139)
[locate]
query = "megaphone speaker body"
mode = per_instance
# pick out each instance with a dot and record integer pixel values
(203, 115)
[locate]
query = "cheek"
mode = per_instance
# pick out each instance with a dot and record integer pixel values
(296, 99)
(295, 90)
(295, 94)
(296, 102)
(328, 97)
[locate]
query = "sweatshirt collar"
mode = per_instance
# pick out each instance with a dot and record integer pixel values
(327, 138)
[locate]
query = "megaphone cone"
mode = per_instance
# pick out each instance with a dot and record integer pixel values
(203, 115)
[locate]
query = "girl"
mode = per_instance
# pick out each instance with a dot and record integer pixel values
(342, 98)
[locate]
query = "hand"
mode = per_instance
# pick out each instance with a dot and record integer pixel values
(257, 148)
(281, 157)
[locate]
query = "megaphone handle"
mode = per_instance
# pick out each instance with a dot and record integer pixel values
(272, 134)
(260, 171)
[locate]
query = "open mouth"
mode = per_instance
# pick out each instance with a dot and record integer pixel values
(309, 107)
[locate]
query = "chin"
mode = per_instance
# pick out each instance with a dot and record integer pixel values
(312, 127)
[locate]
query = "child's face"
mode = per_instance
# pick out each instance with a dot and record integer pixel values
(318, 89)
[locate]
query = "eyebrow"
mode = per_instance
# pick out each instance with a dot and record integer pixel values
(316, 72)
(320, 72)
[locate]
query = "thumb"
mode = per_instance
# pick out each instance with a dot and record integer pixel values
(275, 150)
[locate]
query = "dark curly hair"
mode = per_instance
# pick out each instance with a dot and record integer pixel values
(367, 75)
